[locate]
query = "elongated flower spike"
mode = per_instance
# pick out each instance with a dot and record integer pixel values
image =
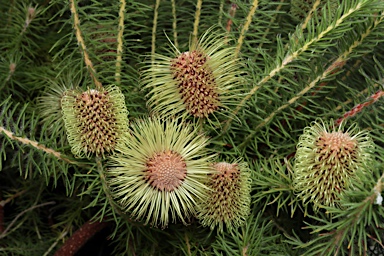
(160, 172)
(95, 120)
(228, 201)
(327, 160)
(202, 82)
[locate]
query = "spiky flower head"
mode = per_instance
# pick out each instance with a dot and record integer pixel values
(327, 160)
(200, 82)
(95, 120)
(160, 172)
(228, 201)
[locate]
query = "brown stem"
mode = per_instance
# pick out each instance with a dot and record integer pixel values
(80, 237)
(359, 107)
(81, 42)
(232, 12)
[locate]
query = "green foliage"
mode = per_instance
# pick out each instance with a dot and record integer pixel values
(300, 61)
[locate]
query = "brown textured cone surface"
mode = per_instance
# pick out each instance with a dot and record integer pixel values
(166, 171)
(80, 237)
(338, 144)
(335, 149)
(97, 122)
(225, 184)
(196, 83)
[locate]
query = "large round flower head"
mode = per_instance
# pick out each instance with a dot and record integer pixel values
(95, 120)
(228, 201)
(160, 172)
(200, 82)
(327, 159)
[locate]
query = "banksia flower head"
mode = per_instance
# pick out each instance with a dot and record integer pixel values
(327, 159)
(228, 201)
(200, 82)
(160, 172)
(95, 120)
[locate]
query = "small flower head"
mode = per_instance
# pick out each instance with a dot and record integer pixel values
(200, 82)
(327, 159)
(228, 201)
(95, 120)
(160, 172)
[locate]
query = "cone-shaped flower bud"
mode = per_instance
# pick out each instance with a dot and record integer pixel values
(160, 172)
(228, 201)
(200, 82)
(327, 159)
(95, 120)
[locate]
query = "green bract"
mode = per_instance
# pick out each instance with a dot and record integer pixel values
(229, 199)
(160, 172)
(201, 82)
(327, 159)
(95, 120)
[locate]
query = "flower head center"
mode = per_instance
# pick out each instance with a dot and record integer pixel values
(338, 143)
(166, 170)
(196, 83)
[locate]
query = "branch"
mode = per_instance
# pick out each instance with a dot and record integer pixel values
(120, 41)
(38, 146)
(41, 147)
(325, 74)
(272, 21)
(310, 13)
(332, 69)
(232, 12)
(359, 107)
(290, 58)
(154, 28)
(174, 24)
(2, 235)
(197, 19)
(9, 199)
(248, 21)
(80, 40)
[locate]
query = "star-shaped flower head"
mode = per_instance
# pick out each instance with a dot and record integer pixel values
(229, 199)
(95, 120)
(161, 171)
(201, 82)
(327, 160)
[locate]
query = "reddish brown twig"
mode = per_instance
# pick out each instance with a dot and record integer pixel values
(334, 68)
(232, 12)
(80, 237)
(359, 107)
(3, 203)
